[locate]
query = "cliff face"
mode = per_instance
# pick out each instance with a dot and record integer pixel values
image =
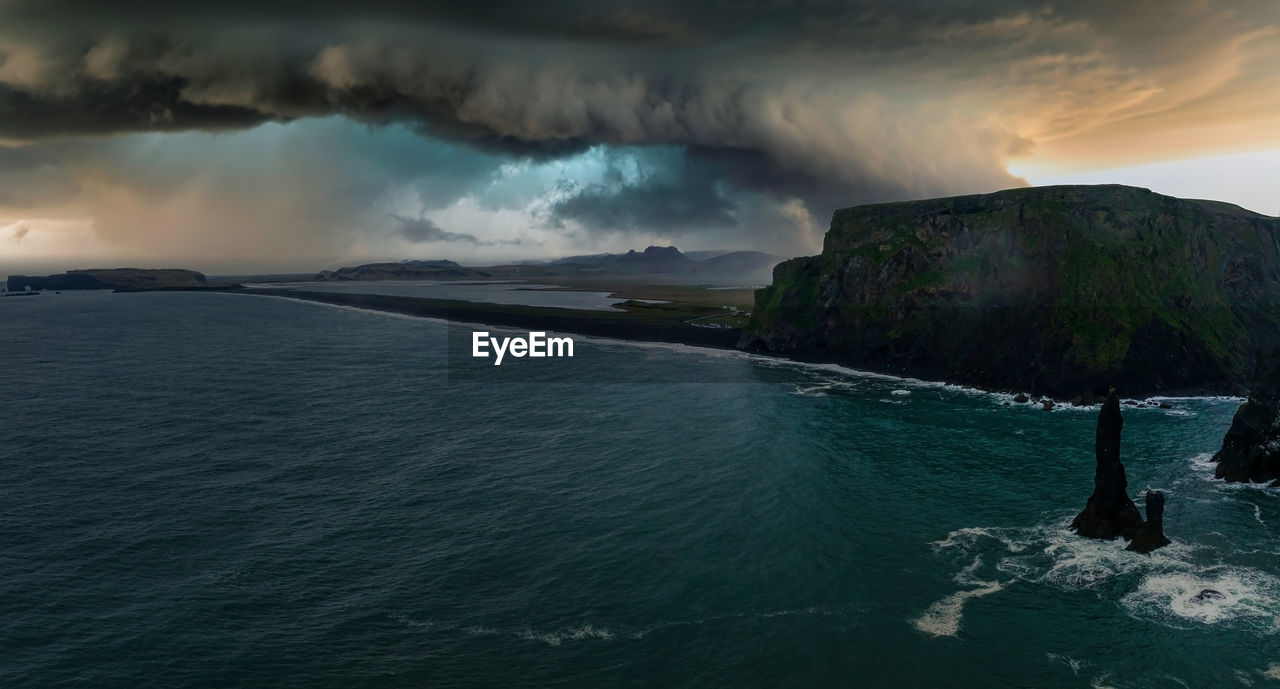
(1251, 448)
(1057, 290)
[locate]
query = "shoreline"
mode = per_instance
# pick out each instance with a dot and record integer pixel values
(622, 325)
(633, 327)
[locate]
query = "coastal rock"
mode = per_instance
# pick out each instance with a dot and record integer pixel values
(1109, 512)
(1047, 405)
(1251, 448)
(1207, 595)
(1057, 290)
(1150, 535)
(1020, 398)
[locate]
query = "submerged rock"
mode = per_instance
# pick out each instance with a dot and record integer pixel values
(1150, 535)
(1109, 512)
(1251, 449)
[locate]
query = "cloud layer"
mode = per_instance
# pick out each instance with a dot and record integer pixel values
(739, 114)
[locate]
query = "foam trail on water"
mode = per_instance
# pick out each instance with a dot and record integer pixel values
(943, 618)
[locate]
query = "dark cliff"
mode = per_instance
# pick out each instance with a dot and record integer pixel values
(1251, 448)
(1057, 290)
(120, 279)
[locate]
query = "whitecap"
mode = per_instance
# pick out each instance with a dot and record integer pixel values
(1164, 587)
(1249, 597)
(1204, 466)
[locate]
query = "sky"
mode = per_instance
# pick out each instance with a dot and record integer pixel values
(291, 136)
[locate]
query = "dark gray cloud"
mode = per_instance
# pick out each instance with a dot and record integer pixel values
(423, 230)
(821, 103)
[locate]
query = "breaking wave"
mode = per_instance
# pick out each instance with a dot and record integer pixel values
(1167, 587)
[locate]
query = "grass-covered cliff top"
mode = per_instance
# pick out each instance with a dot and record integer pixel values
(1098, 272)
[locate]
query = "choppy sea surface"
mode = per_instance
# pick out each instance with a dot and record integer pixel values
(223, 490)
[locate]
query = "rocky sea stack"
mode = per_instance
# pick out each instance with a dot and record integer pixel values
(1150, 535)
(1109, 513)
(1052, 290)
(1251, 449)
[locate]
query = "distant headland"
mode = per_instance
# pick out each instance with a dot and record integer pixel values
(119, 280)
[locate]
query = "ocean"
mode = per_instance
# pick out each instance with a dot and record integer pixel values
(226, 490)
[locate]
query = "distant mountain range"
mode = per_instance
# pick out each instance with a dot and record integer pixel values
(669, 259)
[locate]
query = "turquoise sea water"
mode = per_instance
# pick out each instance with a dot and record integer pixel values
(221, 490)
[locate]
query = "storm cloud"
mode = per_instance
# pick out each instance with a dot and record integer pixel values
(719, 109)
(423, 230)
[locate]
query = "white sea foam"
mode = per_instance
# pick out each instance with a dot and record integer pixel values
(1167, 587)
(1271, 672)
(943, 617)
(1203, 466)
(1249, 597)
(1201, 398)
(901, 392)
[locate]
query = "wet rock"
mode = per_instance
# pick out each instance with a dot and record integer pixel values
(1150, 535)
(1020, 398)
(1251, 448)
(1047, 405)
(1166, 405)
(1207, 595)
(1109, 512)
